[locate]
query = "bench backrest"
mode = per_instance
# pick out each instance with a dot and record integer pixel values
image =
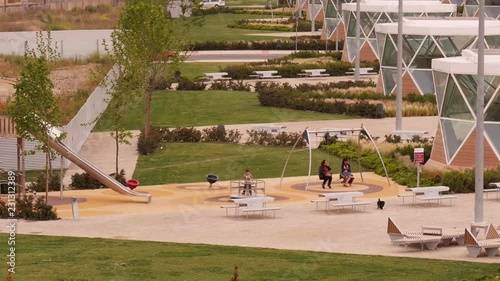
(469, 239)
(492, 233)
(392, 228)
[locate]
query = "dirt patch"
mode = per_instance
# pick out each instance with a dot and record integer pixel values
(68, 80)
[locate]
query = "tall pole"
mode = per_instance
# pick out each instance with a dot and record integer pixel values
(313, 20)
(358, 45)
(399, 87)
(478, 204)
(337, 31)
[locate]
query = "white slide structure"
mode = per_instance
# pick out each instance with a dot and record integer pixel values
(90, 168)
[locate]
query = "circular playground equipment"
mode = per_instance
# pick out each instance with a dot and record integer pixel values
(212, 179)
(132, 183)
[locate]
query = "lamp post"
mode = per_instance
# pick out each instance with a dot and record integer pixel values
(358, 47)
(399, 92)
(337, 27)
(478, 203)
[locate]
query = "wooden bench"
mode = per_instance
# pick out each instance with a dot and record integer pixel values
(474, 246)
(429, 241)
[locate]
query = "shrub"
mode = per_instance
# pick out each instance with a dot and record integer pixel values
(188, 85)
(25, 209)
(459, 181)
(181, 135)
(87, 181)
(39, 184)
(230, 85)
(148, 145)
(220, 134)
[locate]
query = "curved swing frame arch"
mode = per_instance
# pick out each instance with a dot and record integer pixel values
(362, 131)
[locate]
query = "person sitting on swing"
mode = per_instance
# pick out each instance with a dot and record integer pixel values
(324, 174)
(345, 173)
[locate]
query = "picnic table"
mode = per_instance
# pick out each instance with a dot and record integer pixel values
(362, 71)
(217, 76)
(263, 74)
(314, 73)
(252, 205)
(494, 187)
(341, 199)
(431, 193)
(408, 135)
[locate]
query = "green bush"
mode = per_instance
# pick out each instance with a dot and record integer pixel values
(87, 181)
(188, 85)
(26, 209)
(39, 184)
(148, 145)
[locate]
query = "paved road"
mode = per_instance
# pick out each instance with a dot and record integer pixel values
(81, 43)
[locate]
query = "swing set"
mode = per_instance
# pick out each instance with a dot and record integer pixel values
(347, 132)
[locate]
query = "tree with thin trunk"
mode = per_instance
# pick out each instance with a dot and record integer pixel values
(153, 43)
(34, 108)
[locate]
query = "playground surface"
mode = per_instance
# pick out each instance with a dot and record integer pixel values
(191, 213)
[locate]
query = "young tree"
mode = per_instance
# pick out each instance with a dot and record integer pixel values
(153, 43)
(34, 108)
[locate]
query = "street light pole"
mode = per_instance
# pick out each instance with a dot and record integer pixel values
(358, 47)
(399, 84)
(337, 27)
(478, 203)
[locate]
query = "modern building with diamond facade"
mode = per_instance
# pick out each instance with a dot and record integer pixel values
(491, 8)
(378, 12)
(456, 84)
(425, 39)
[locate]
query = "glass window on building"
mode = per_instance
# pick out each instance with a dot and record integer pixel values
(411, 44)
(389, 57)
(454, 105)
(455, 132)
(440, 80)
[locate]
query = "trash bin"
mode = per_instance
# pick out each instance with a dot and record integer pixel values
(379, 110)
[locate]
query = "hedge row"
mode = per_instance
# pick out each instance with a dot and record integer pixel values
(213, 134)
(336, 68)
(302, 44)
(293, 99)
(282, 26)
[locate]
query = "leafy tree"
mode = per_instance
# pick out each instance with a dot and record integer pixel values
(152, 44)
(34, 108)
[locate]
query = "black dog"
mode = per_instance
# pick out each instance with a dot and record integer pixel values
(380, 204)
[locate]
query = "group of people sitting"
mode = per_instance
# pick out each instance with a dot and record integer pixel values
(326, 175)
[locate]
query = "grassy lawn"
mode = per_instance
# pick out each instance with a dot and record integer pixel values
(87, 259)
(191, 162)
(204, 108)
(215, 29)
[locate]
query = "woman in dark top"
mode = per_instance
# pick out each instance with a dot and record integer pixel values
(325, 174)
(345, 173)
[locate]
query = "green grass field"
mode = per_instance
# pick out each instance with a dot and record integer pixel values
(50, 258)
(205, 108)
(215, 29)
(191, 162)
